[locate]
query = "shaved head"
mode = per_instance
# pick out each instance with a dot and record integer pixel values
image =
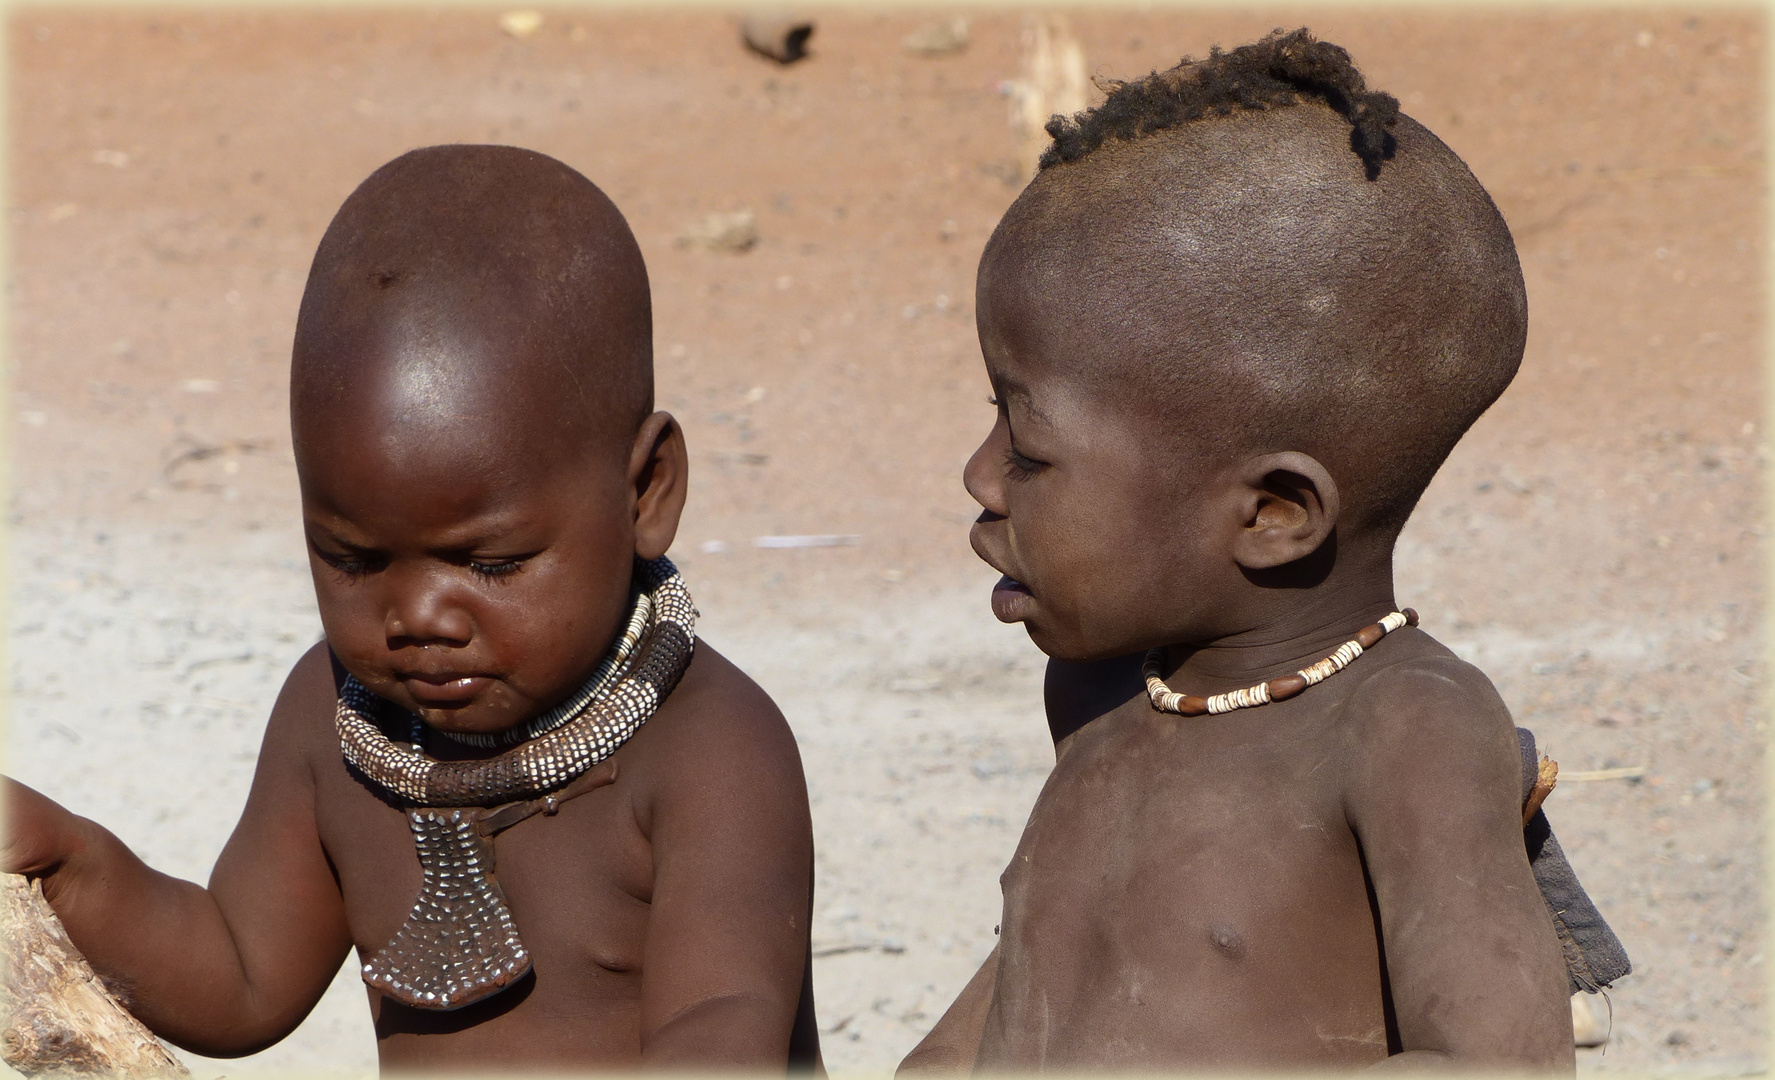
(484, 297)
(1252, 283)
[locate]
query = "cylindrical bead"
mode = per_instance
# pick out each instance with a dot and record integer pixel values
(1280, 688)
(1286, 686)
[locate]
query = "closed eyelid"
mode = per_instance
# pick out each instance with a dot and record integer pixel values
(330, 546)
(1014, 454)
(479, 553)
(483, 559)
(320, 531)
(496, 569)
(1019, 468)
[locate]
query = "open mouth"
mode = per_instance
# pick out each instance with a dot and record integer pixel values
(1011, 600)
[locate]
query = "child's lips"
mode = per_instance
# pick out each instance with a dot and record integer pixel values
(1011, 600)
(442, 691)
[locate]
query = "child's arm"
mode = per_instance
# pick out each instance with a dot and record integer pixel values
(953, 1044)
(1435, 798)
(727, 938)
(221, 971)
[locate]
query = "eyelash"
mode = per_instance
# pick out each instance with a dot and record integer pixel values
(1020, 467)
(349, 568)
(344, 565)
(496, 571)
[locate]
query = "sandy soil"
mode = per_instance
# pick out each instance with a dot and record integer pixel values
(1595, 543)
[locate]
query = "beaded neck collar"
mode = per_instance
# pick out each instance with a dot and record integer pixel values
(598, 718)
(459, 943)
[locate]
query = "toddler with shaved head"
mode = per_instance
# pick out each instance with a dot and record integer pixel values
(559, 831)
(1233, 326)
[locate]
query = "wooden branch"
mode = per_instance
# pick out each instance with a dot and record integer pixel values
(60, 1021)
(1546, 776)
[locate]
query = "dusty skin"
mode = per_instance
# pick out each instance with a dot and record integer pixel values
(1593, 545)
(1325, 880)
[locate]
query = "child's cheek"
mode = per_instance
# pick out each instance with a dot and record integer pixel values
(349, 618)
(347, 633)
(535, 629)
(508, 635)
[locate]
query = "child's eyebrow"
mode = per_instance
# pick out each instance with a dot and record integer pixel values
(1010, 390)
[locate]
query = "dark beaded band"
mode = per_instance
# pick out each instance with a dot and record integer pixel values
(604, 722)
(459, 943)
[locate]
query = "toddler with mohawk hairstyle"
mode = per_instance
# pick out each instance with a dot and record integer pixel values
(1233, 327)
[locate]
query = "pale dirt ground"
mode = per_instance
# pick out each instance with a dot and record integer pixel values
(1595, 543)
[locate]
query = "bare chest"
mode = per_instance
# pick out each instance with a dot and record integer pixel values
(1181, 898)
(577, 885)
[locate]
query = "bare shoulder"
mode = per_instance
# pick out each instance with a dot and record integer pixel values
(719, 732)
(717, 709)
(1423, 716)
(1419, 681)
(301, 723)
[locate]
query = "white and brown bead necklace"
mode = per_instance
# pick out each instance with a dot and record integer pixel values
(1280, 688)
(459, 943)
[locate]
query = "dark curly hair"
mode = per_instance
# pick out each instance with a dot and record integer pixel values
(1276, 71)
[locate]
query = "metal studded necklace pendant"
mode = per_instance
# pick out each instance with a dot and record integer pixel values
(460, 944)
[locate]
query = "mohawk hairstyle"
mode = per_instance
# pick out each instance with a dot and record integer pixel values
(1271, 73)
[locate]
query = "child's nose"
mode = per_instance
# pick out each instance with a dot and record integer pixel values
(984, 476)
(422, 611)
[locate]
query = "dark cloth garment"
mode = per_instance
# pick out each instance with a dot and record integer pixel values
(1594, 957)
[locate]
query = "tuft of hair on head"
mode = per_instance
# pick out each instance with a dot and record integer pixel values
(1231, 270)
(1275, 72)
(508, 253)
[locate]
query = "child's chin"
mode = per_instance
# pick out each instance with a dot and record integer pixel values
(454, 722)
(1054, 646)
(1063, 651)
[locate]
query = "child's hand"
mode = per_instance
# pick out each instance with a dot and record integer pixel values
(225, 970)
(40, 835)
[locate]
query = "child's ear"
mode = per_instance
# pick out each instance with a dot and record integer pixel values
(1290, 505)
(659, 468)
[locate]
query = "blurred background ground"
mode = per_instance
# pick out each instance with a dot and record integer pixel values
(1594, 544)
